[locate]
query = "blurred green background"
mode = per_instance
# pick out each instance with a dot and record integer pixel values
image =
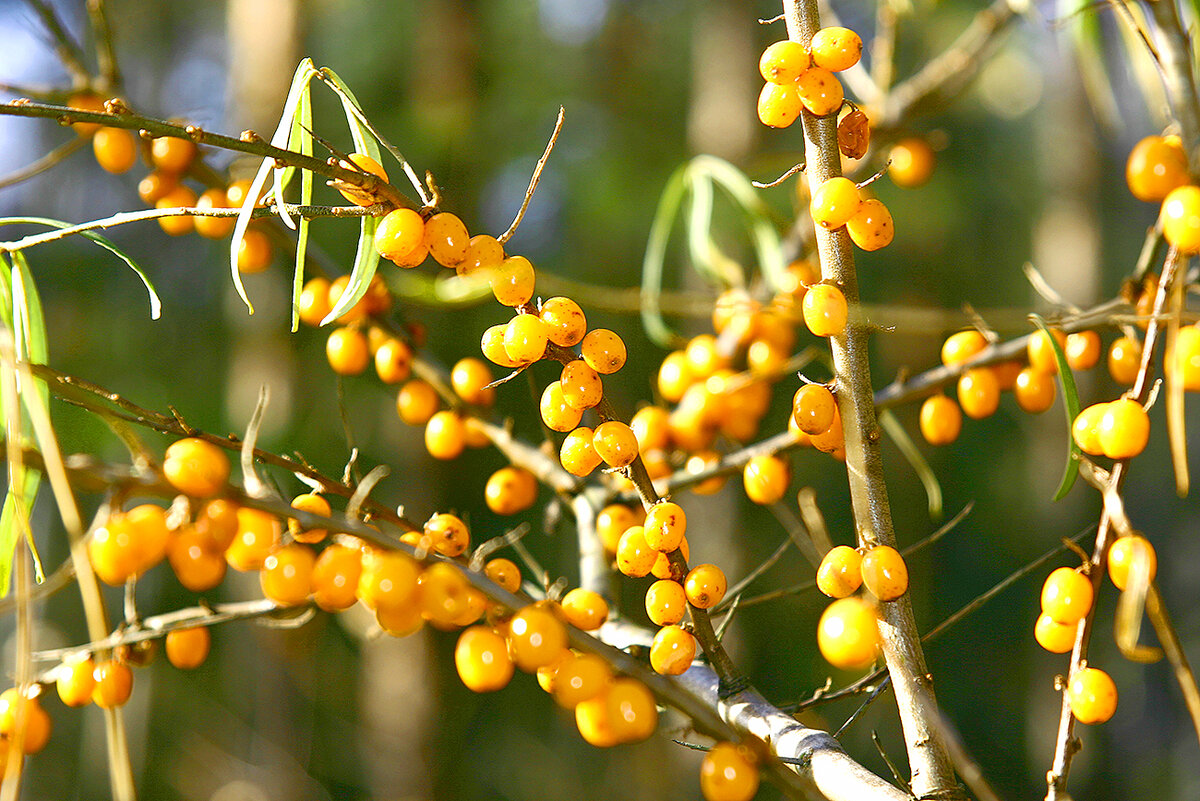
(1030, 169)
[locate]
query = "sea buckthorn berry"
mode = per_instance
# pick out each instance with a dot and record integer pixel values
(115, 149)
(782, 62)
(963, 345)
(492, 347)
(612, 521)
(336, 576)
(651, 426)
(1067, 596)
(196, 467)
(672, 651)
(1124, 360)
(484, 253)
(1082, 350)
(674, 376)
(578, 455)
(1133, 552)
(446, 598)
(172, 154)
(155, 185)
(665, 526)
(364, 163)
(347, 351)
(979, 393)
(840, 572)
(504, 572)
(884, 572)
(535, 638)
(565, 321)
(584, 609)
(830, 440)
(632, 711)
(28, 711)
(813, 408)
(1124, 429)
(779, 105)
(591, 718)
(615, 443)
(376, 300)
(700, 462)
(399, 233)
(179, 197)
(471, 379)
(1041, 352)
(393, 360)
(825, 310)
(1156, 165)
(75, 681)
(86, 101)
(114, 684)
(402, 621)
(147, 526)
(603, 350)
(445, 435)
(254, 251)
(512, 281)
(449, 534)
(705, 586)
(765, 478)
(820, 92)
(511, 490)
(581, 385)
(871, 227)
(417, 402)
(579, 678)
(557, 414)
(313, 304)
(388, 580)
(854, 134)
(286, 576)
(198, 565)
(848, 634)
(835, 202)
(1183, 361)
(704, 356)
(662, 563)
(1034, 390)
(239, 190)
(634, 556)
(835, 48)
(257, 534)
(525, 338)
(911, 163)
(1092, 695)
(728, 773)
(1181, 219)
(317, 505)
(481, 659)
(188, 648)
(213, 227)
(1055, 637)
(446, 238)
(1086, 429)
(666, 602)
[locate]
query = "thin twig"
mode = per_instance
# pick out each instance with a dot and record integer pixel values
(46, 162)
(533, 179)
(68, 50)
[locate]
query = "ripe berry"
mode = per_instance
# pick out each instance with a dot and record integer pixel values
(446, 598)
(448, 534)
(364, 163)
(484, 253)
(504, 572)
(1181, 219)
(446, 238)
(171, 154)
(603, 350)
(1092, 695)
(257, 534)
(197, 563)
(979, 393)
(286, 575)
(525, 338)
(578, 455)
(581, 385)
(510, 490)
(512, 281)
(179, 197)
(393, 361)
(1086, 429)
(85, 101)
(840, 573)
(376, 300)
(666, 602)
(313, 304)
(672, 651)
(1124, 429)
(35, 721)
(632, 711)
(963, 345)
(388, 580)
(615, 443)
(591, 718)
(825, 310)
(75, 681)
(188, 648)
(317, 505)
(662, 563)
(830, 440)
(1055, 637)
(347, 351)
(1082, 350)
(848, 634)
(586, 610)
(911, 163)
(482, 660)
(492, 347)
(115, 149)
(417, 402)
(705, 586)
(557, 414)
(470, 379)
(1034, 390)
(665, 526)
(728, 773)
(1156, 165)
(871, 227)
(336, 576)
(535, 638)
(612, 522)
(402, 621)
(211, 227)
(399, 234)
(155, 185)
(1127, 552)
(884, 573)
(700, 462)
(779, 105)
(813, 407)
(836, 49)
(114, 684)
(1183, 360)
(1124, 360)
(820, 92)
(674, 376)
(835, 202)
(634, 557)
(445, 435)
(783, 62)
(651, 426)
(196, 467)
(1041, 351)
(579, 678)
(765, 478)
(1067, 596)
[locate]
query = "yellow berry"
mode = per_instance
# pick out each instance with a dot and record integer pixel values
(1092, 695)
(840, 572)
(1055, 637)
(1124, 429)
(603, 350)
(779, 105)
(1067, 596)
(836, 49)
(884, 573)
(783, 62)
(672, 651)
(848, 634)
(1129, 554)
(615, 443)
(705, 586)
(940, 420)
(1156, 166)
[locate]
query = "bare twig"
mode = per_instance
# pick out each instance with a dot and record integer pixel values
(46, 162)
(534, 179)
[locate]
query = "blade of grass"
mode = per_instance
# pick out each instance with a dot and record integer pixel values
(654, 261)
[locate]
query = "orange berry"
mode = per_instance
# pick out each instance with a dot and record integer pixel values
(847, 634)
(363, 163)
(1041, 351)
(1086, 429)
(674, 376)
(820, 92)
(1124, 360)
(393, 360)
(75, 682)
(557, 414)
(884, 572)
(779, 105)
(504, 572)
(347, 351)
(728, 773)
(1067, 596)
(481, 659)
(188, 648)
(578, 455)
(313, 304)
(525, 338)
(1124, 429)
(212, 227)
(666, 602)
(1183, 361)
(672, 651)
(535, 638)
(217, 523)
(634, 557)
(651, 426)
(447, 239)
(835, 202)
(584, 609)
(699, 462)
(86, 101)
(564, 320)
(178, 197)
(579, 678)
(286, 575)
(615, 443)
(257, 535)
(388, 580)
(317, 505)
(1129, 554)
(511, 490)
(765, 478)
(831, 439)
(871, 227)
(445, 435)
(1055, 637)
(840, 572)
(979, 393)
(484, 253)
(705, 586)
(448, 534)
(632, 711)
(825, 310)
(417, 402)
(662, 563)
(612, 521)
(1092, 695)
(783, 62)
(813, 408)
(1181, 219)
(197, 564)
(20, 710)
(1034, 390)
(664, 526)
(603, 350)
(963, 345)
(171, 154)
(335, 577)
(115, 149)
(399, 234)
(114, 684)
(254, 251)
(471, 379)
(835, 48)
(492, 347)
(1082, 350)
(512, 281)
(196, 467)
(592, 720)
(1156, 165)
(911, 163)
(582, 387)
(402, 621)
(447, 600)
(155, 185)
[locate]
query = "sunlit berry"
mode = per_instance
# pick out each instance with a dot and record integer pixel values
(512, 281)
(1086, 429)
(557, 414)
(577, 454)
(481, 659)
(1124, 360)
(504, 572)
(840, 572)
(1082, 350)
(393, 360)
(911, 163)
(813, 407)
(962, 345)
(363, 163)
(1067, 596)
(783, 62)
(603, 350)
(674, 376)
(1034, 390)
(1055, 637)
(820, 92)
(632, 711)
(510, 490)
(535, 638)
(613, 520)
(188, 648)
(196, 467)
(831, 439)
(615, 443)
(445, 435)
(286, 575)
(1181, 218)
(446, 239)
(672, 651)
(666, 602)
(172, 154)
(700, 462)
(315, 504)
(313, 304)
(417, 402)
(634, 557)
(484, 254)
(491, 344)
(1129, 555)
(728, 773)
(114, 684)
(665, 526)
(347, 351)
(765, 478)
(705, 586)
(584, 609)
(471, 380)
(115, 149)
(1124, 429)
(978, 393)
(871, 227)
(179, 197)
(1092, 695)
(86, 101)
(335, 577)
(825, 310)
(835, 48)
(1156, 165)
(525, 338)
(448, 534)
(75, 682)
(1041, 351)
(848, 634)
(212, 227)
(835, 202)
(779, 105)
(388, 580)
(564, 320)
(884, 573)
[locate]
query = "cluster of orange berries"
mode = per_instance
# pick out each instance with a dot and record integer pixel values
(847, 634)
(1157, 170)
(839, 202)
(116, 151)
(802, 77)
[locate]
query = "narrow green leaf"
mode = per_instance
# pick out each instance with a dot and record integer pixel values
(360, 131)
(933, 487)
(288, 134)
(768, 246)
(304, 123)
(1066, 380)
(365, 262)
(239, 229)
(699, 221)
(107, 244)
(14, 523)
(654, 260)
